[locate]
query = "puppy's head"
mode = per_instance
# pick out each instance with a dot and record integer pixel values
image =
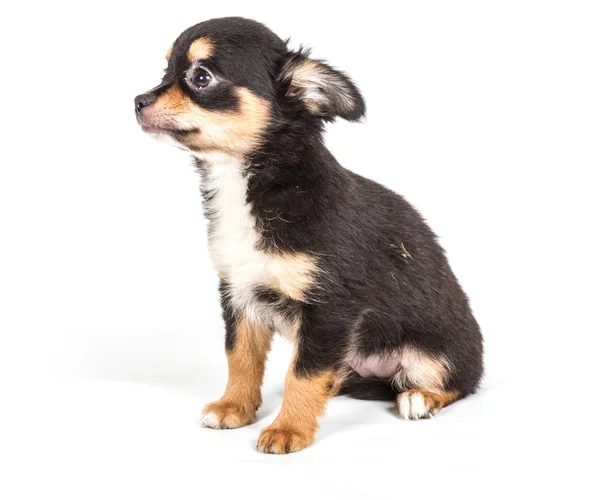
(229, 81)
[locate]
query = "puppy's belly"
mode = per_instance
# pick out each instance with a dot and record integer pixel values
(383, 366)
(408, 367)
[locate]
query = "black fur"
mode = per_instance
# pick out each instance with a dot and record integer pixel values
(359, 230)
(246, 53)
(358, 387)
(384, 280)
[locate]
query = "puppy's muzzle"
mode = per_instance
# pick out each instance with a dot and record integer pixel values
(142, 101)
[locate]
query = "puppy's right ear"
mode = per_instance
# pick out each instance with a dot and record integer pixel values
(324, 91)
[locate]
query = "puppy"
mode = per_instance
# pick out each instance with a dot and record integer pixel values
(344, 268)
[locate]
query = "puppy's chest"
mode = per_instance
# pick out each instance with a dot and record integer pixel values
(233, 238)
(234, 244)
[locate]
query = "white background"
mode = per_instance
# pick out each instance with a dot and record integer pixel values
(485, 115)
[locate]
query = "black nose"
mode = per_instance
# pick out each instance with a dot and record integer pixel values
(143, 100)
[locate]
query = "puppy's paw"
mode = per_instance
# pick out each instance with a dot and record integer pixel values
(416, 405)
(224, 414)
(282, 440)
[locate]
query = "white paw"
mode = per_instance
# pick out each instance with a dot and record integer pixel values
(210, 420)
(412, 406)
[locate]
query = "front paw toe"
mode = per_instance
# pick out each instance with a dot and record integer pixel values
(210, 419)
(280, 440)
(226, 415)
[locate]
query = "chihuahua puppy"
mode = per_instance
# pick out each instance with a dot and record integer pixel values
(344, 268)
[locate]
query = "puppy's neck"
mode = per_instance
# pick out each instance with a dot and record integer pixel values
(288, 156)
(210, 160)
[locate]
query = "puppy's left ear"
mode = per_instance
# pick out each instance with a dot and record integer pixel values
(324, 91)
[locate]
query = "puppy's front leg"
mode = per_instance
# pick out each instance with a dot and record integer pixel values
(304, 401)
(247, 346)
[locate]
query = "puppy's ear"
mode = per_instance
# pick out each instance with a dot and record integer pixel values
(324, 91)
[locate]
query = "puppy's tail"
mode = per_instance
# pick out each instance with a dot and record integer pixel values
(358, 387)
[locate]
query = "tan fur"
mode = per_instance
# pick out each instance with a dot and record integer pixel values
(169, 52)
(313, 77)
(304, 401)
(402, 251)
(421, 370)
(308, 74)
(292, 274)
(233, 132)
(246, 362)
(434, 401)
(200, 49)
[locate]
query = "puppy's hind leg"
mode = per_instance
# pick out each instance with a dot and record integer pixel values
(417, 404)
(423, 381)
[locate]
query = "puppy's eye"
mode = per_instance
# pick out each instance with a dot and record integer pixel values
(202, 78)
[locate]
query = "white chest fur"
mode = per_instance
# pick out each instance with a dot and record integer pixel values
(233, 242)
(233, 237)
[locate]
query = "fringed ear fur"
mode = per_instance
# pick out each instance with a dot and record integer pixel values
(324, 91)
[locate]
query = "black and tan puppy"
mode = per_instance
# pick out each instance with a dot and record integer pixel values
(344, 268)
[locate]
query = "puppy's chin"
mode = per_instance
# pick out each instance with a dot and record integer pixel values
(163, 135)
(149, 129)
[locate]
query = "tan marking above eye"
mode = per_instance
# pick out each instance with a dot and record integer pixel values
(201, 48)
(168, 54)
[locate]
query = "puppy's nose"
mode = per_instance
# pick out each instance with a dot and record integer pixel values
(143, 100)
